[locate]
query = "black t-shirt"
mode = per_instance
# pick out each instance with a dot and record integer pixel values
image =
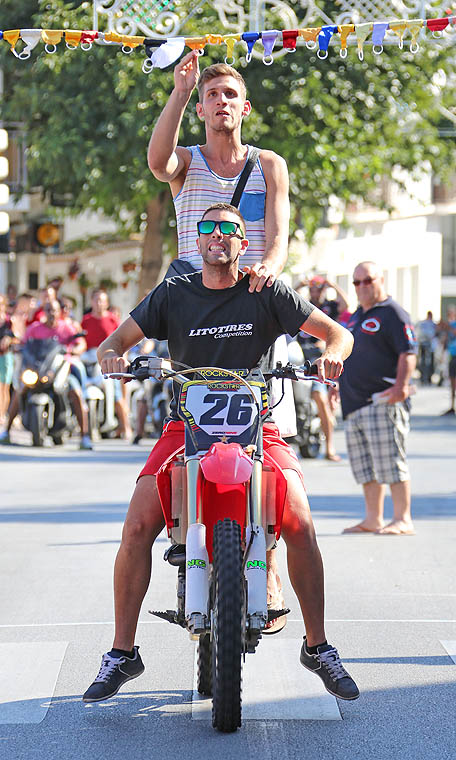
(229, 328)
(380, 335)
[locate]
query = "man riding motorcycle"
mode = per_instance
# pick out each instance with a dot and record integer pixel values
(196, 314)
(54, 327)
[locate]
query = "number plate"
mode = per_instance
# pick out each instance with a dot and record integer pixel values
(221, 408)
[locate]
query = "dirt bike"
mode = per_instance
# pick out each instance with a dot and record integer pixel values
(222, 498)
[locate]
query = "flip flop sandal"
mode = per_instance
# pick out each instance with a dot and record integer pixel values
(357, 529)
(275, 624)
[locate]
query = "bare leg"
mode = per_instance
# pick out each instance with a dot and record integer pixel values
(453, 391)
(13, 410)
(80, 410)
(374, 496)
(402, 520)
(122, 416)
(133, 564)
(274, 583)
(141, 414)
(305, 566)
(327, 423)
(4, 401)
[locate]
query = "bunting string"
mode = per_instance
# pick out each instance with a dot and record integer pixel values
(162, 52)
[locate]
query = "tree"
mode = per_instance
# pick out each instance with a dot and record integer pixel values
(341, 125)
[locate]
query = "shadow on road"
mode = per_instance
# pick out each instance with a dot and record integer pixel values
(323, 507)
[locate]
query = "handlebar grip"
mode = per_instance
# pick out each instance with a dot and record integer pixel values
(310, 369)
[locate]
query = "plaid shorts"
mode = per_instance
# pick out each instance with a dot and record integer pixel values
(375, 436)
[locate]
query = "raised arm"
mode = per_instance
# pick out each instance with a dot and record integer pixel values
(338, 340)
(342, 299)
(276, 222)
(111, 352)
(166, 161)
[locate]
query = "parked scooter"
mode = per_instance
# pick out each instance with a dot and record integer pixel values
(44, 389)
(99, 395)
(150, 402)
(309, 436)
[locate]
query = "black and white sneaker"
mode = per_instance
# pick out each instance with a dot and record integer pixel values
(114, 672)
(326, 664)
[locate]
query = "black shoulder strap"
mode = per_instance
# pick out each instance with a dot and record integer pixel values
(251, 161)
(179, 267)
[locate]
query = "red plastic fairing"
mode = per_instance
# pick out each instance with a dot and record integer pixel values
(220, 500)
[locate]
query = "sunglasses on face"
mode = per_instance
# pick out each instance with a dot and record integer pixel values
(366, 281)
(207, 227)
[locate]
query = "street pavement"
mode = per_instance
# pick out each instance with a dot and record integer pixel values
(390, 611)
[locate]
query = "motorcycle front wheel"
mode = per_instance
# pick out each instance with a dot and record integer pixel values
(37, 425)
(227, 649)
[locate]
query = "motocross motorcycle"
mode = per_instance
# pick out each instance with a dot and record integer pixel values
(45, 408)
(222, 498)
(308, 436)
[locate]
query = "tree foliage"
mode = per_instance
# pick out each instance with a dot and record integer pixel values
(340, 124)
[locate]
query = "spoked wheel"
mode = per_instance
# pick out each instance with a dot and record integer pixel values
(205, 665)
(227, 638)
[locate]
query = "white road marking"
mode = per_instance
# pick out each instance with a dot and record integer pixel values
(450, 647)
(275, 687)
(290, 620)
(28, 674)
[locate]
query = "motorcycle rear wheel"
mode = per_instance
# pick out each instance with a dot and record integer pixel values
(227, 648)
(37, 425)
(311, 449)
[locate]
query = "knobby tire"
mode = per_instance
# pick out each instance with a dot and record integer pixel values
(227, 648)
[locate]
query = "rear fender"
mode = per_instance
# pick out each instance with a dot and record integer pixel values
(92, 393)
(39, 399)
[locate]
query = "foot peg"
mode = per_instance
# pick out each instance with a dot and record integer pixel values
(170, 616)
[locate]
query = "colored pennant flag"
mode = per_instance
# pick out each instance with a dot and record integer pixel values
(250, 38)
(268, 40)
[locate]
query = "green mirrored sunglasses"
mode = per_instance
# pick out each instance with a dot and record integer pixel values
(207, 227)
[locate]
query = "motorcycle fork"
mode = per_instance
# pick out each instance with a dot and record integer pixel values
(197, 558)
(255, 571)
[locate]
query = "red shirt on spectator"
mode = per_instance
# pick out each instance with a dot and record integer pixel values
(98, 328)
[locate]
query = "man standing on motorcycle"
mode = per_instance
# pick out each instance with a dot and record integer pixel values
(53, 326)
(199, 175)
(210, 318)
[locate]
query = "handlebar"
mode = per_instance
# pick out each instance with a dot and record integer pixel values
(143, 367)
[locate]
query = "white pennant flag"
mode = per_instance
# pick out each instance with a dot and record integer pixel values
(166, 54)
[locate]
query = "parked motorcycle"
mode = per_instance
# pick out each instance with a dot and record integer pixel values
(156, 394)
(44, 401)
(99, 395)
(222, 499)
(309, 436)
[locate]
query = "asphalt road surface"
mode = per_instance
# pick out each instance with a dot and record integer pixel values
(390, 611)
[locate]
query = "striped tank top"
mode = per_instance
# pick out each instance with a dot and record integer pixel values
(202, 188)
